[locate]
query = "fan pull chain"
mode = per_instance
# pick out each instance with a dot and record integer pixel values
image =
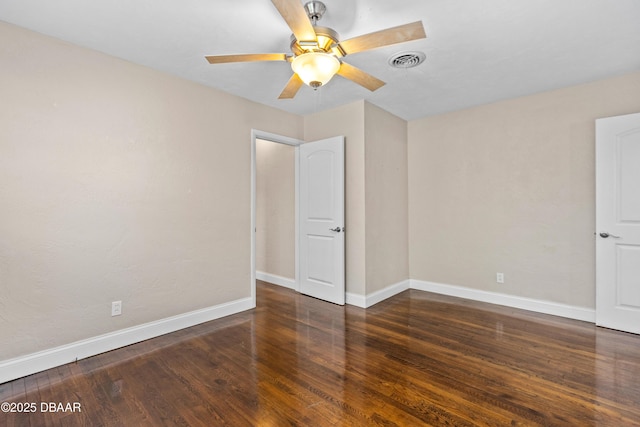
(317, 100)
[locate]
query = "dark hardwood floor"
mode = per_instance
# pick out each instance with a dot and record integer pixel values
(415, 359)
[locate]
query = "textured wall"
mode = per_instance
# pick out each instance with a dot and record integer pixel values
(275, 209)
(116, 183)
(509, 187)
(386, 204)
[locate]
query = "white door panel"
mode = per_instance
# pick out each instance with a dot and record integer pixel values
(618, 223)
(320, 262)
(629, 178)
(320, 206)
(321, 210)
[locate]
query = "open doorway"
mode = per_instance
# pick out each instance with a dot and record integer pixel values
(274, 210)
(318, 258)
(275, 213)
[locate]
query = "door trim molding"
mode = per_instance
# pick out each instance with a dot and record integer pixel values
(280, 139)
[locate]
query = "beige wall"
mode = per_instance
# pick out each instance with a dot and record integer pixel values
(116, 183)
(275, 209)
(348, 121)
(509, 187)
(121, 183)
(386, 200)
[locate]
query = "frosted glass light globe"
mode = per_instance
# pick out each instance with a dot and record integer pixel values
(315, 68)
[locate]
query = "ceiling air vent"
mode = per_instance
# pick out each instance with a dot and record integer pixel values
(407, 59)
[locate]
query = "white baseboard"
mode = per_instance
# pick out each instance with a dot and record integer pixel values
(357, 300)
(36, 362)
(276, 280)
(539, 306)
(366, 301)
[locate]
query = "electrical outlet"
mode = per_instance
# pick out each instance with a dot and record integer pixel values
(500, 277)
(116, 308)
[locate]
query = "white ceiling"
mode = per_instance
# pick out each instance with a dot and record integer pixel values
(478, 51)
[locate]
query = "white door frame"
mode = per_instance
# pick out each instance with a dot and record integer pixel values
(272, 137)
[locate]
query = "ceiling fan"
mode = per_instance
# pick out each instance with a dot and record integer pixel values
(317, 52)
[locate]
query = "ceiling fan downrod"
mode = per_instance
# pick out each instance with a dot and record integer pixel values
(315, 10)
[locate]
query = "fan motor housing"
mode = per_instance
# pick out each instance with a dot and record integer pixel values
(327, 38)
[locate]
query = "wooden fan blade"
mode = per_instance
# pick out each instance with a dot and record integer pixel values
(356, 75)
(222, 59)
(400, 34)
(292, 87)
(296, 18)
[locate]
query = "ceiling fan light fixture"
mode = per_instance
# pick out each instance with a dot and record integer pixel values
(315, 69)
(317, 52)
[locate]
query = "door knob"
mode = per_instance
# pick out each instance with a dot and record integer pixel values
(605, 235)
(337, 229)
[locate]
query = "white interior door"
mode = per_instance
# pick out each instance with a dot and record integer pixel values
(321, 223)
(618, 223)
